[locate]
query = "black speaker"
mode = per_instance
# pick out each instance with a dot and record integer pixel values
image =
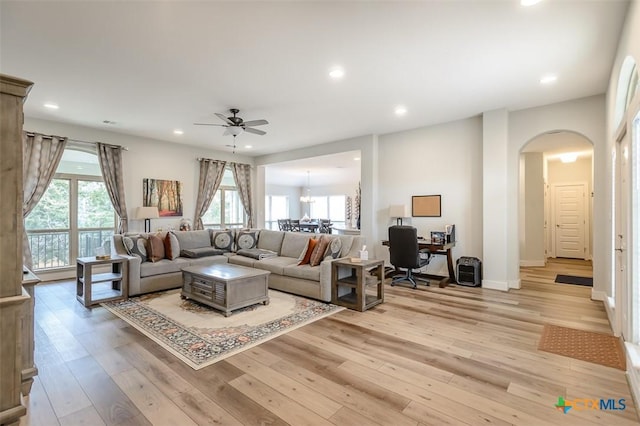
(469, 271)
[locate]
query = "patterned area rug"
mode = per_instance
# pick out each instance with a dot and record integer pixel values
(598, 348)
(201, 336)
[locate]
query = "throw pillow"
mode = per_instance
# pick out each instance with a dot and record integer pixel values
(335, 247)
(311, 245)
(171, 246)
(246, 239)
(223, 240)
(136, 246)
(318, 251)
(156, 248)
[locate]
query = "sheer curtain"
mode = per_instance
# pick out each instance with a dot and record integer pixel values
(242, 176)
(40, 158)
(110, 158)
(211, 172)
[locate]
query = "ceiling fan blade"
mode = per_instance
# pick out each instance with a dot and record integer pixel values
(255, 131)
(255, 123)
(209, 124)
(223, 118)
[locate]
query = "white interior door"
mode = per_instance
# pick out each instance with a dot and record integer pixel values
(570, 222)
(622, 194)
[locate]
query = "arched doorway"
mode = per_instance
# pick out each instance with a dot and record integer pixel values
(555, 198)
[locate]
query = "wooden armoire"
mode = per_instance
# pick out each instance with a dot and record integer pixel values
(16, 308)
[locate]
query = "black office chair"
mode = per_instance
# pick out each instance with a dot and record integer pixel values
(405, 253)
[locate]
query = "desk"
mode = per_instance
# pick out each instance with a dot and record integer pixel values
(440, 249)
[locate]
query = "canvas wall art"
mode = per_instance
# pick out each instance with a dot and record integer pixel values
(164, 194)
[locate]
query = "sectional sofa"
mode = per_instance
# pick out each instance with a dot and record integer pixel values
(155, 260)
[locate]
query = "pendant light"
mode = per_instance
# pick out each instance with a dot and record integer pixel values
(307, 198)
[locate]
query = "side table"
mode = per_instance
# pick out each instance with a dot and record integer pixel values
(354, 287)
(86, 279)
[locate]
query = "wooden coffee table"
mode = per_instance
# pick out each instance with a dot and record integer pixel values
(225, 287)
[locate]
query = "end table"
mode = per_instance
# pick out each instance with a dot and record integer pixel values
(86, 278)
(362, 287)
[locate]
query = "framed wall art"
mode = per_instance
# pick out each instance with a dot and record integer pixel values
(164, 194)
(426, 206)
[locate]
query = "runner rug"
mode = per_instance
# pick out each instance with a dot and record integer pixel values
(598, 348)
(200, 336)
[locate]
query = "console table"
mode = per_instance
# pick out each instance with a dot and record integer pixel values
(362, 287)
(443, 249)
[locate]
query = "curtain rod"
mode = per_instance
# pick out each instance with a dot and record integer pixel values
(78, 141)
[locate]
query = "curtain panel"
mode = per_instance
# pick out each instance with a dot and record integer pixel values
(242, 176)
(41, 155)
(110, 158)
(211, 172)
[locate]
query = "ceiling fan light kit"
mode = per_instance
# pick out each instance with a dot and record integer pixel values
(235, 125)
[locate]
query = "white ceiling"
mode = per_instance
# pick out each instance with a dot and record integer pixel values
(334, 169)
(152, 67)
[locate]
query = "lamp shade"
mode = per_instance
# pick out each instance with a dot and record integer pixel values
(147, 213)
(398, 211)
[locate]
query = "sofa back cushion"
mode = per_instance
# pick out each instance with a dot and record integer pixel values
(270, 240)
(193, 239)
(294, 243)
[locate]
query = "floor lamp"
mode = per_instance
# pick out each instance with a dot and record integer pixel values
(147, 213)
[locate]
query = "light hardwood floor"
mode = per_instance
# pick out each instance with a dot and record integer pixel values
(429, 356)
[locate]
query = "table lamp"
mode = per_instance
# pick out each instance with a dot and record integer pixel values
(398, 211)
(147, 213)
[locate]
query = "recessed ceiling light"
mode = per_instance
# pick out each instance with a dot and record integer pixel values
(548, 79)
(336, 73)
(248, 146)
(529, 2)
(51, 106)
(178, 132)
(400, 110)
(356, 158)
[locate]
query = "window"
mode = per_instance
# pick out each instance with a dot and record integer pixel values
(226, 210)
(73, 217)
(276, 207)
(329, 207)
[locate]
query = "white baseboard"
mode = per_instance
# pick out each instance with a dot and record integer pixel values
(598, 295)
(526, 263)
(495, 285)
(633, 371)
(514, 283)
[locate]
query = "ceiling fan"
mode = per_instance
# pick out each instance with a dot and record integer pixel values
(236, 125)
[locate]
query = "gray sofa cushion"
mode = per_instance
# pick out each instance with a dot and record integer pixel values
(242, 260)
(164, 266)
(306, 272)
(275, 264)
(193, 239)
(270, 240)
(294, 243)
(200, 252)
